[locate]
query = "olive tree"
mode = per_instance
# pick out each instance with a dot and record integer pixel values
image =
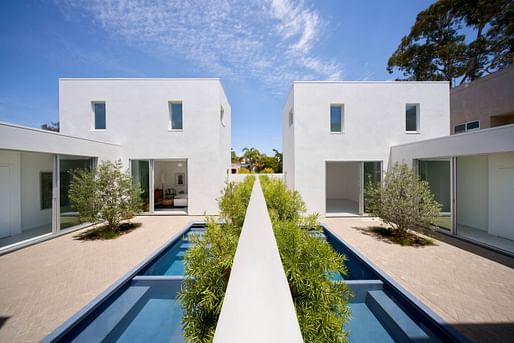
(105, 194)
(404, 201)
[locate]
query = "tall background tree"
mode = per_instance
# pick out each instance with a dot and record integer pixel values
(457, 41)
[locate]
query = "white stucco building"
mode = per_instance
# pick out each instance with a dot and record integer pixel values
(336, 135)
(172, 135)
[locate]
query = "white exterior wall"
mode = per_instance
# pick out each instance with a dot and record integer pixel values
(485, 193)
(137, 118)
(288, 141)
(501, 194)
(374, 120)
(473, 191)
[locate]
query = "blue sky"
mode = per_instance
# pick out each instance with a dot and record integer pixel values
(256, 47)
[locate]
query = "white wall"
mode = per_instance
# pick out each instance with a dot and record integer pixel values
(288, 141)
(11, 160)
(501, 195)
(241, 177)
(343, 180)
(32, 164)
(374, 120)
(137, 117)
(473, 191)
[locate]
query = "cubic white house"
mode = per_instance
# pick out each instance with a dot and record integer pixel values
(337, 135)
(173, 135)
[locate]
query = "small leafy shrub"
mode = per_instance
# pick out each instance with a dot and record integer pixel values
(267, 171)
(105, 194)
(321, 304)
(208, 264)
(282, 203)
(244, 170)
(404, 202)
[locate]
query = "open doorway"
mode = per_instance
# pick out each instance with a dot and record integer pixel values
(345, 184)
(170, 186)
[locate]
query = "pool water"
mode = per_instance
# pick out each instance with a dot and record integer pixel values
(145, 308)
(171, 261)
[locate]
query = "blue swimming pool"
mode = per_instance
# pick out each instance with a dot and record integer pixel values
(142, 306)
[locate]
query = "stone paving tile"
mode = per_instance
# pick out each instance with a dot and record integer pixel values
(43, 285)
(473, 293)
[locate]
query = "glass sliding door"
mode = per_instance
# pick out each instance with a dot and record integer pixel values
(68, 217)
(140, 171)
(438, 175)
(372, 175)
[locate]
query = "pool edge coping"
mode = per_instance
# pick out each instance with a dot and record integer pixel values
(71, 322)
(430, 314)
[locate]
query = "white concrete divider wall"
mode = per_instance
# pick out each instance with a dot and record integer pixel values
(241, 177)
(258, 306)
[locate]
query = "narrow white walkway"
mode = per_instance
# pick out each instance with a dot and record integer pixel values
(258, 306)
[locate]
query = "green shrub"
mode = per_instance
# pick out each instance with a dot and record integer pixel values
(208, 264)
(321, 304)
(105, 194)
(243, 170)
(282, 203)
(234, 200)
(404, 201)
(267, 171)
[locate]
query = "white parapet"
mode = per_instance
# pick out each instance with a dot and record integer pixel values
(258, 306)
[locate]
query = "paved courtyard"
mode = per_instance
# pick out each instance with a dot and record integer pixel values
(43, 285)
(473, 293)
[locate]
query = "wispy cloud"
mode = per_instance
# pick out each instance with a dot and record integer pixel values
(270, 40)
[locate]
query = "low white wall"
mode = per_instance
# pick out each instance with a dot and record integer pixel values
(501, 195)
(258, 306)
(473, 191)
(241, 177)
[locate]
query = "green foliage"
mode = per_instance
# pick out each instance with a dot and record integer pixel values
(208, 264)
(207, 268)
(321, 304)
(244, 170)
(234, 200)
(282, 203)
(104, 195)
(267, 171)
(404, 202)
(455, 39)
(258, 161)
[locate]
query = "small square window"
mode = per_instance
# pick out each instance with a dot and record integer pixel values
(412, 118)
(100, 116)
(336, 118)
(291, 114)
(176, 116)
(473, 125)
(459, 128)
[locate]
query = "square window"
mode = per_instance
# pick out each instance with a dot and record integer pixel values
(100, 115)
(412, 118)
(459, 128)
(473, 125)
(176, 116)
(336, 118)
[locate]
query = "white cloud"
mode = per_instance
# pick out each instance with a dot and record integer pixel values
(270, 40)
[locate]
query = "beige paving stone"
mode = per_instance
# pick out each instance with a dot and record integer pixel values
(473, 293)
(43, 285)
